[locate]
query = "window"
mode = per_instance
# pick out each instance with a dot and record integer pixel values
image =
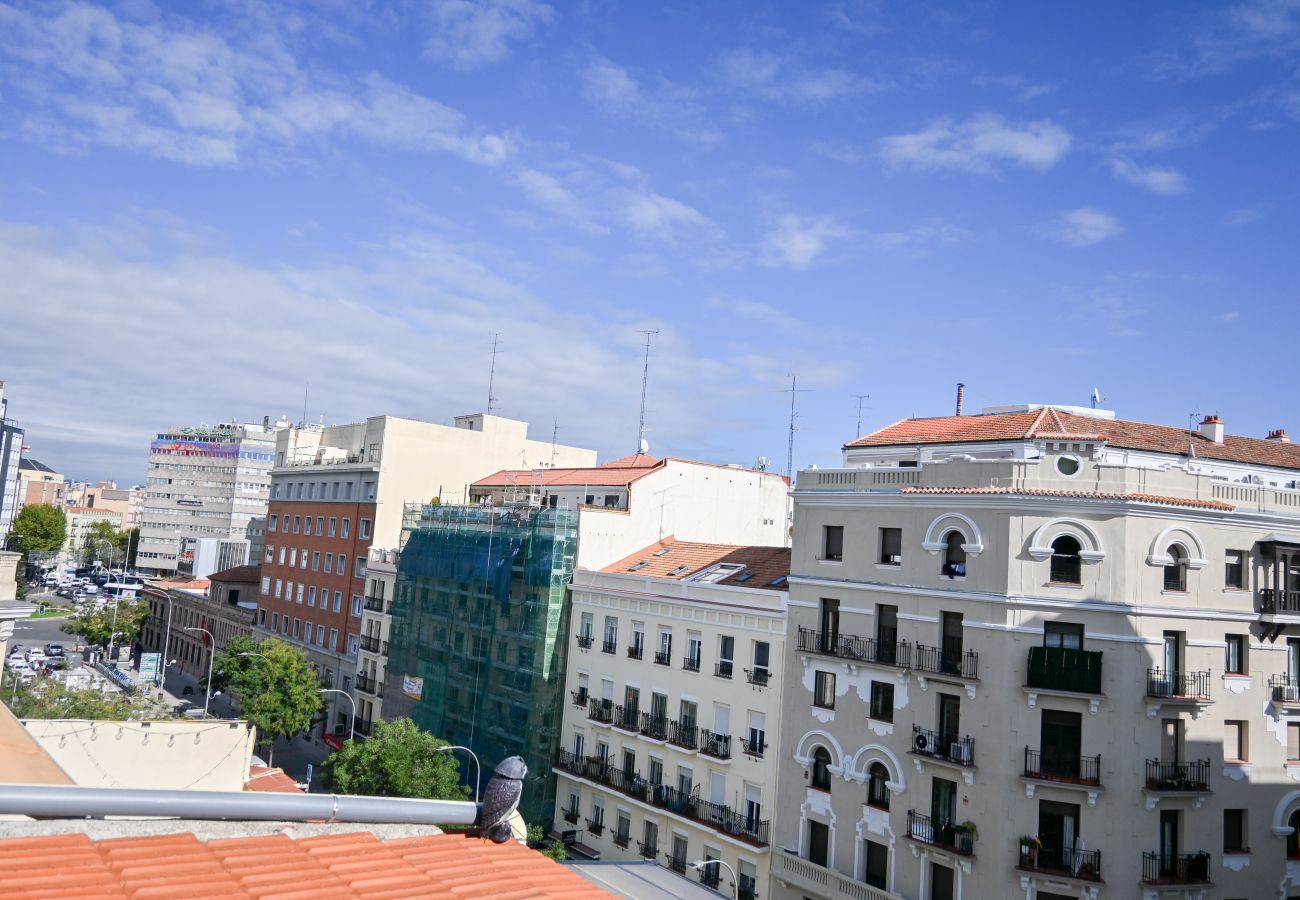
(1292, 741)
(271, 522)
(1066, 635)
(1176, 570)
(1067, 565)
(891, 546)
(343, 564)
(726, 656)
(266, 584)
(611, 500)
(363, 529)
(279, 583)
(757, 739)
(833, 542)
(338, 601)
(297, 627)
(882, 701)
(878, 786)
(320, 520)
(306, 525)
(334, 639)
(275, 621)
(352, 645)
(1234, 659)
(1234, 570)
(334, 526)
(1234, 831)
(821, 769)
(293, 557)
(762, 657)
(954, 557)
(824, 690)
(1235, 743)
(300, 592)
(281, 556)
(329, 563)
(359, 569)
(315, 560)
(345, 526)
(1067, 465)
(356, 605)
(297, 524)
(876, 865)
(311, 595)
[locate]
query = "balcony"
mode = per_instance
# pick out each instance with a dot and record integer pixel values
(710, 876)
(1176, 868)
(595, 826)
(1284, 691)
(1064, 769)
(601, 711)
(1178, 777)
(1055, 861)
(958, 839)
(856, 649)
(1276, 602)
(361, 726)
(677, 864)
(747, 888)
(627, 718)
(655, 727)
(574, 765)
(580, 697)
(635, 652)
(753, 748)
(1066, 671)
(647, 851)
(585, 641)
(949, 661)
(608, 646)
(571, 816)
(723, 818)
(368, 685)
(1188, 687)
(758, 677)
(683, 734)
(722, 669)
(808, 878)
(692, 664)
(959, 751)
(371, 643)
(663, 657)
(622, 839)
(379, 605)
(716, 745)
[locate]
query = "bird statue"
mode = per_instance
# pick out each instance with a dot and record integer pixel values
(500, 798)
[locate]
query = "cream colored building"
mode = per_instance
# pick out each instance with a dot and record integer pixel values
(80, 520)
(376, 625)
(673, 679)
(1044, 653)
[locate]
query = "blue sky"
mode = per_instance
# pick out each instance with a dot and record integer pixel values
(205, 207)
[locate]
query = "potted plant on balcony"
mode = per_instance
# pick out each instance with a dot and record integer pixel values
(967, 834)
(1029, 847)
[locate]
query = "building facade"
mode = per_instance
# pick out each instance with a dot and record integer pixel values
(376, 630)
(81, 520)
(11, 452)
(224, 605)
(673, 684)
(204, 482)
(39, 485)
(338, 490)
(107, 495)
(1045, 653)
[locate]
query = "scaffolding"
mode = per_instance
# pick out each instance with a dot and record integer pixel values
(477, 650)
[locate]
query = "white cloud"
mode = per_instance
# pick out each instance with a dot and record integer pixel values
(1229, 35)
(665, 105)
(662, 217)
(919, 240)
(781, 78)
(474, 33)
(797, 242)
(1243, 216)
(838, 151)
(755, 311)
(1156, 179)
(1084, 227)
(982, 145)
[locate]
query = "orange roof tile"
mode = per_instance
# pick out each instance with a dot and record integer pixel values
(1054, 424)
(1078, 495)
(607, 475)
(239, 574)
(277, 867)
(269, 780)
(635, 461)
(671, 558)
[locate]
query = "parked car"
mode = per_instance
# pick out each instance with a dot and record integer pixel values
(35, 655)
(53, 650)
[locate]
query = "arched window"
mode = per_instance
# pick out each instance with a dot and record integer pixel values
(821, 769)
(1293, 839)
(1067, 567)
(1176, 571)
(877, 789)
(954, 557)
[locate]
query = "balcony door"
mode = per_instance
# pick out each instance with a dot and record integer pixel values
(1292, 660)
(949, 721)
(941, 882)
(1168, 842)
(886, 633)
(943, 803)
(830, 622)
(951, 643)
(1060, 739)
(1173, 661)
(1058, 828)
(819, 842)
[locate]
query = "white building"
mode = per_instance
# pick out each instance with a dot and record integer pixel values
(673, 678)
(376, 626)
(11, 452)
(1045, 653)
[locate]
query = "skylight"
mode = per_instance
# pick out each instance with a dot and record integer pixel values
(680, 570)
(637, 566)
(661, 552)
(714, 574)
(777, 582)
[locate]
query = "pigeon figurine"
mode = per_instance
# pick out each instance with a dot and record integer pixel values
(500, 798)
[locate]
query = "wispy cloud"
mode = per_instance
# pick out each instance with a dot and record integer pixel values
(1228, 36)
(983, 145)
(784, 79)
(663, 217)
(919, 240)
(755, 311)
(665, 105)
(1243, 216)
(1084, 227)
(1156, 179)
(1021, 88)
(797, 242)
(839, 151)
(470, 34)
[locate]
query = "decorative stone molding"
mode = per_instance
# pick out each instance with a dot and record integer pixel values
(1159, 555)
(1040, 544)
(973, 540)
(1235, 862)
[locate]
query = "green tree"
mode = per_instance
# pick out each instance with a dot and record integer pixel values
(40, 529)
(132, 546)
(277, 688)
(538, 840)
(399, 760)
(45, 698)
(95, 626)
(93, 548)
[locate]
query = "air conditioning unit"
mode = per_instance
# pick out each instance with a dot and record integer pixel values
(921, 742)
(341, 728)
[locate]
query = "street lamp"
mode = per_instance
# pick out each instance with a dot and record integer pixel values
(212, 655)
(110, 550)
(478, 772)
(352, 723)
(701, 863)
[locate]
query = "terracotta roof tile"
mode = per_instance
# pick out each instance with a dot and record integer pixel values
(1078, 495)
(607, 475)
(276, 867)
(671, 558)
(1055, 424)
(239, 574)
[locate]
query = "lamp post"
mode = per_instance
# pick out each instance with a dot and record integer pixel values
(167, 642)
(701, 863)
(110, 550)
(212, 655)
(352, 723)
(478, 771)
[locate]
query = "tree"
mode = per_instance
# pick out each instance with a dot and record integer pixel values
(97, 535)
(399, 760)
(552, 849)
(276, 686)
(95, 626)
(132, 547)
(49, 699)
(40, 529)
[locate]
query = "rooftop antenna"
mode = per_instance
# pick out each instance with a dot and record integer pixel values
(792, 390)
(1191, 427)
(492, 372)
(555, 434)
(860, 398)
(305, 388)
(645, 380)
(1097, 399)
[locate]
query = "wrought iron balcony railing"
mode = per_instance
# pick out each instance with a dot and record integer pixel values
(1284, 689)
(947, 660)
(954, 749)
(957, 838)
(1176, 868)
(1067, 768)
(1168, 685)
(860, 649)
(716, 745)
(585, 641)
(723, 668)
(653, 726)
(1178, 776)
(1053, 859)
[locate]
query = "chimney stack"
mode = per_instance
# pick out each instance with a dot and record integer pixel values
(1212, 429)
(1279, 434)
(961, 396)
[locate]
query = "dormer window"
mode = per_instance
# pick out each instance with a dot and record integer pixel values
(954, 556)
(1067, 566)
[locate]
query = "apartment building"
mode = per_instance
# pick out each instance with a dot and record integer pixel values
(338, 490)
(11, 453)
(223, 605)
(1044, 652)
(673, 678)
(107, 495)
(204, 482)
(376, 629)
(80, 521)
(39, 485)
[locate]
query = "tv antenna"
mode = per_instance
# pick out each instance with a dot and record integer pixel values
(792, 390)
(492, 372)
(555, 434)
(645, 380)
(860, 398)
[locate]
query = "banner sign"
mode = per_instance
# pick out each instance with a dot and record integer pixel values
(413, 686)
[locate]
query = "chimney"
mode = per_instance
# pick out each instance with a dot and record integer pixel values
(1279, 434)
(1212, 429)
(961, 396)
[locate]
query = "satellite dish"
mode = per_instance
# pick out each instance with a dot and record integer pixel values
(644, 446)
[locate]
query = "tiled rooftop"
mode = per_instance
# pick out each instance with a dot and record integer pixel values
(671, 558)
(270, 781)
(277, 867)
(238, 574)
(1055, 424)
